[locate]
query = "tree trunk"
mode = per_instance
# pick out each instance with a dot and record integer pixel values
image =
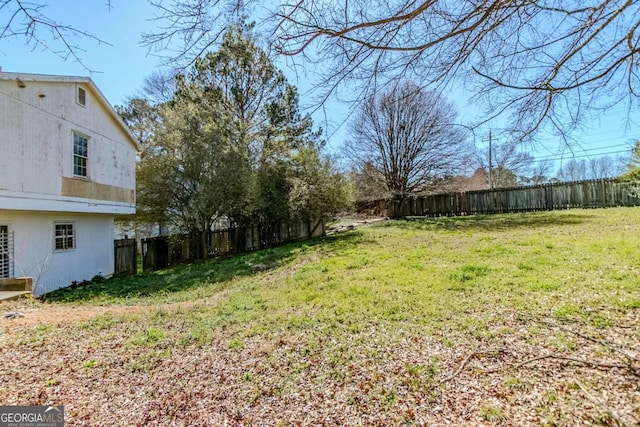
(204, 252)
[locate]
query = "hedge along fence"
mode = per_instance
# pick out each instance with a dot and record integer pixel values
(582, 194)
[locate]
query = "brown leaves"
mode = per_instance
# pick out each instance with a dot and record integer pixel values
(521, 372)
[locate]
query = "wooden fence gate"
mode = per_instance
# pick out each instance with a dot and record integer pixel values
(125, 256)
(155, 253)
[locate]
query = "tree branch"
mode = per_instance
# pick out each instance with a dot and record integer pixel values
(29, 20)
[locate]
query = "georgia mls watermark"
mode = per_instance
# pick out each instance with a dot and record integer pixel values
(31, 416)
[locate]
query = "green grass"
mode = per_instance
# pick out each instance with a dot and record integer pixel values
(569, 264)
(182, 283)
(491, 414)
(387, 320)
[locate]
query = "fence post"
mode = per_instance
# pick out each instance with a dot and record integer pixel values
(550, 196)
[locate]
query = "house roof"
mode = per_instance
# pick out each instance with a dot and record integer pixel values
(26, 77)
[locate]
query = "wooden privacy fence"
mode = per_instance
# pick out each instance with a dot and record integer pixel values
(567, 195)
(125, 256)
(162, 251)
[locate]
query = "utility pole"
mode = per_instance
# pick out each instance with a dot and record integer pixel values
(490, 162)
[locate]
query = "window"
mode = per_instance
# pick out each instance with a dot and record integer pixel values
(82, 96)
(80, 151)
(64, 237)
(6, 252)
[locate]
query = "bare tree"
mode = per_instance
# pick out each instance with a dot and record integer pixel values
(604, 167)
(594, 168)
(540, 172)
(408, 135)
(160, 86)
(573, 170)
(186, 29)
(537, 62)
(369, 183)
(544, 61)
(20, 18)
(189, 28)
(510, 166)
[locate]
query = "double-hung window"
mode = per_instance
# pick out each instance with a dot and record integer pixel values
(80, 155)
(65, 237)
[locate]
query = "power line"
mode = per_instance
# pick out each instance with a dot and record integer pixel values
(592, 155)
(570, 157)
(534, 160)
(585, 153)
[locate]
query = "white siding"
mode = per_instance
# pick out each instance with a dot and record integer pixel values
(35, 256)
(36, 140)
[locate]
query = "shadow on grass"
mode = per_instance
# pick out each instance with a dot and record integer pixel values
(190, 276)
(497, 222)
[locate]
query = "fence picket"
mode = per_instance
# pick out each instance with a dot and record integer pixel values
(583, 194)
(162, 251)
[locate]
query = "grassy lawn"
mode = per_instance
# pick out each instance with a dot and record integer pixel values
(523, 319)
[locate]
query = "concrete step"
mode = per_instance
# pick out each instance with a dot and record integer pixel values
(16, 284)
(12, 295)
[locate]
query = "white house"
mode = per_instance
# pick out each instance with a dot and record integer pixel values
(67, 166)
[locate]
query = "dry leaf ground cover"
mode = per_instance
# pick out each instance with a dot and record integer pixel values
(527, 319)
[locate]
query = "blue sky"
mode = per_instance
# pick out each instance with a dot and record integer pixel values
(121, 66)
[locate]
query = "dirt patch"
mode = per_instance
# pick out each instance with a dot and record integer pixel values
(34, 313)
(351, 222)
